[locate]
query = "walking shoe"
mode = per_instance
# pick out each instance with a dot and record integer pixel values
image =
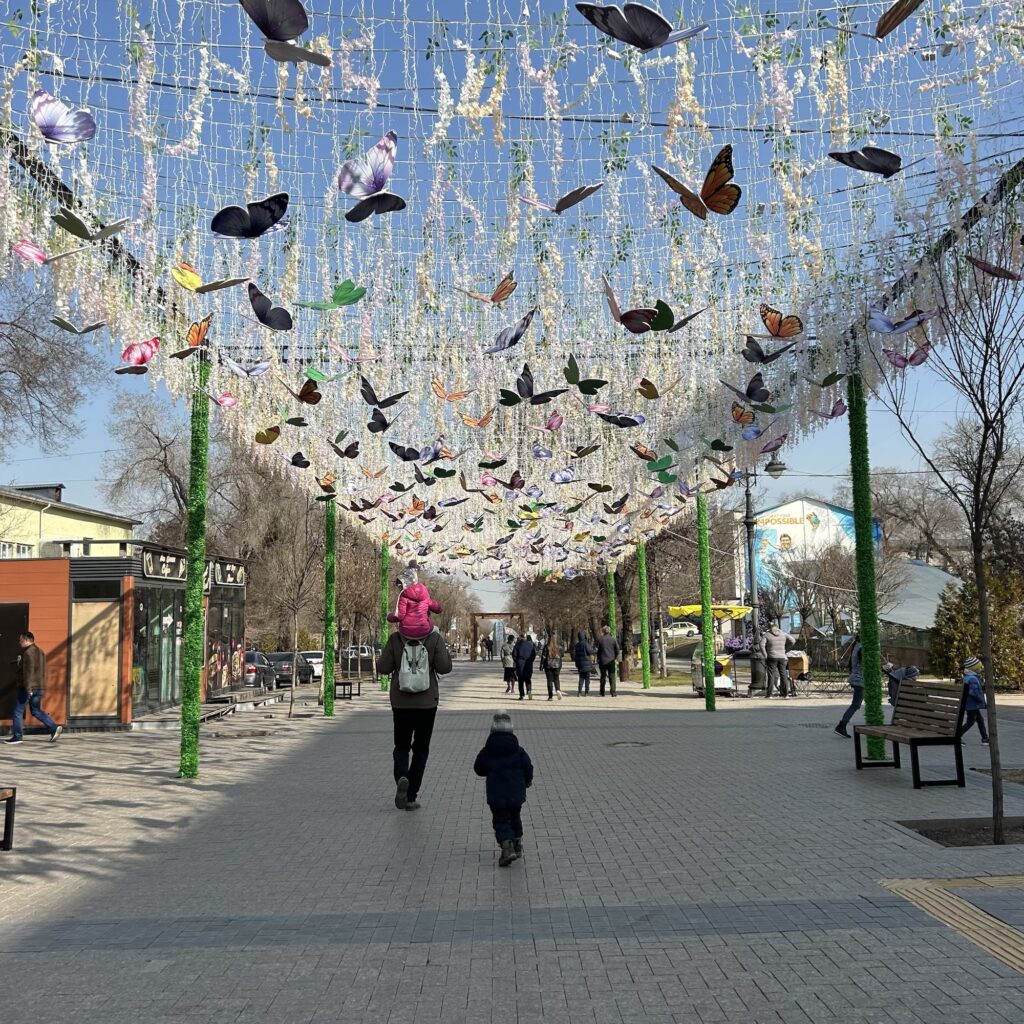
(402, 794)
(11, 740)
(559, 692)
(517, 845)
(530, 695)
(985, 742)
(56, 733)
(841, 730)
(522, 698)
(412, 805)
(508, 854)
(551, 698)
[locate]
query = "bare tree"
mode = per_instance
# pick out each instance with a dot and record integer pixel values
(982, 319)
(45, 372)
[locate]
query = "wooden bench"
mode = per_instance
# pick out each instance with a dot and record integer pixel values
(924, 715)
(341, 685)
(9, 797)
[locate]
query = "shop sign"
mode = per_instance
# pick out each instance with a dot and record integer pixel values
(159, 565)
(229, 574)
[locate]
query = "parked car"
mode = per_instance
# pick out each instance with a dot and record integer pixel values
(362, 651)
(259, 671)
(316, 659)
(283, 668)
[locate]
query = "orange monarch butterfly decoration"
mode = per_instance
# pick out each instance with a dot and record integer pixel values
(195, 339)
(779, 326)
(506, 286)
(483, 421)
(718, 194)
(447, 396)
(744, 417)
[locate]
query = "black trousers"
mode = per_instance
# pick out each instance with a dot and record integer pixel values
(525, 680)
(413, 729)
(507, 820)
(977, 715)
(554, 685)
(778, 673)
(608, 673)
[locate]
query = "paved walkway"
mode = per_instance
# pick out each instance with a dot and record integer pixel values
(680, 867)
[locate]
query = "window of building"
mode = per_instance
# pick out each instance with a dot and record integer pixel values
(96, 590)
(11, 549)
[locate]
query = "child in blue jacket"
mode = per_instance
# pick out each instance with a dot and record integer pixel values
(509, 773)
(975, 703)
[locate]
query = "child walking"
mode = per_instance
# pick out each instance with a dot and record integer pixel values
(509, 773)
(975, 703)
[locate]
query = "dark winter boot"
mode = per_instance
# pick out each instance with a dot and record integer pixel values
(508, 854)
(841, 730)
(517, 845)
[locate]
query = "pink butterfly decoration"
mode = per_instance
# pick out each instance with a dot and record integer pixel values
(771, 446)
(553, 422)
(226, 400)
(916, 358)
(838, 409)
(488, 480)
(140, 352)
(29, 252)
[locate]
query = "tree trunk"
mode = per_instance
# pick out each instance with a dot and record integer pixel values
(981, 582)
(295, 662)
(625, 614)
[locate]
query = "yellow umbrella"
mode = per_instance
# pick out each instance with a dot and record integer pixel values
(720, 611)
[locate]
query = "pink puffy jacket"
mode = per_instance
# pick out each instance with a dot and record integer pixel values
(414, 607)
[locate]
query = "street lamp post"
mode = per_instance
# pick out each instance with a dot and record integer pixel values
(757, 667)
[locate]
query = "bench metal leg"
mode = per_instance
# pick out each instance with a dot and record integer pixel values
(958, 755)
(8, 840)
(859, 755)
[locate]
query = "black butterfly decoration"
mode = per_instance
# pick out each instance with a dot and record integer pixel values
(277, 318)
(255, 220)
(526, 391)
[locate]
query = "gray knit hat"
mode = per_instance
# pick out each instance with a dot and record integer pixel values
(502, 722)
(972, 663)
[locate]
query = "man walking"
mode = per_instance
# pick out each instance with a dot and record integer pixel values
(413, 666)
(30, 691)
(607, 653)
(773, 648)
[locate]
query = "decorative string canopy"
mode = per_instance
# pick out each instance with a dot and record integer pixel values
(509, 281)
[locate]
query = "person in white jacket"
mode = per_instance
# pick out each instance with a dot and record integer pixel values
(773, 649)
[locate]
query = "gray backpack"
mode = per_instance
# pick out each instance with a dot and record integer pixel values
(414, 670)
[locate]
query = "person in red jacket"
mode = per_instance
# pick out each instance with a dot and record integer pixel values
(414, 607)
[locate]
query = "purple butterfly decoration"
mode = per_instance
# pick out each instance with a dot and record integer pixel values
(366, 176)
(57, 122)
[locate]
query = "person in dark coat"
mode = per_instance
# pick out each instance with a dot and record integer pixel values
(31, 686)
(413, 713)
(583, 655)
(509, 773)
(523, 655)
(607, 652)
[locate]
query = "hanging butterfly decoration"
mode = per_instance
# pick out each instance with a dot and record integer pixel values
(774, 446)
(281, 21)
(195, 339)
(878, 321)
(74, 225)
(717, 195)
(350, 451)
(268, 436)
(566, 202)
(298, 460)
(526, 391)
(755, 390)
(636, 25)
(870, 159)
(506, 286)
(754, 353)
(838, 409)
(344, 294)
(585, 385)
(511, 336)
(623, 419)
(249, 372)
(308, 394)
(277, 318)
(895, 16)
(636, 321)
(649, 390)
(185, 275)
(138, 355)
(482, 421)
(67, 325)
(365, 178)
(370, 396)
(57, 123)
(992, 270)
(777, 325)
(665, 319)
(254, 221)
(741, 415)
(550, 425)
(916, 358)
(447, 396)
(33, 254)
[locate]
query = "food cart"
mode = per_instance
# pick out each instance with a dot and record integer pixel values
(726, 682)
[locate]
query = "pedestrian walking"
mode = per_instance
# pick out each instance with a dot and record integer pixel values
(413, 666)
(856, 681)
(894, 676)
(583, 655)
(509, 773)
(508, 663)
(607, 654)
(523, 655)
(551, 663)
(489, 644)
(975, 702)
(773, 649)
(31, 687)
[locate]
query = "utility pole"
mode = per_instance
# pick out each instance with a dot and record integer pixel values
(757, 668)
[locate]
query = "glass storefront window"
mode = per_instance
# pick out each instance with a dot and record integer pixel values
(225, 639)
(156, 664)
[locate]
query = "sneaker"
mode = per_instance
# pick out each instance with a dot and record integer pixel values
(841, 730)
(530, 696)
(412, 805)
(12, 741)
(517, 846)
(56, 733)
(559, 692)
(985, 742)
(508, 854)
(402, 794)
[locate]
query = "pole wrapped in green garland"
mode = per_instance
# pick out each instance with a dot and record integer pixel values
(863, 529)
(645, 623)
(707, 627)
(330, 603)
(385, 568)
(193, 655)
